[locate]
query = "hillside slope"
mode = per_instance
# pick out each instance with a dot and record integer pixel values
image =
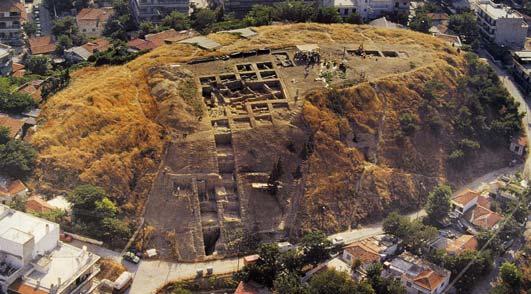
(111, 126)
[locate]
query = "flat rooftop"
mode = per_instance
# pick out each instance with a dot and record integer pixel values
(66, 263)
(498, 10)
(16, 236)
(15, 220)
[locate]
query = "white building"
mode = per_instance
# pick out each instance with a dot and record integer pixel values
(32, 259)
(418, 275)
(156, 10)
(368, 9)
(501, 24)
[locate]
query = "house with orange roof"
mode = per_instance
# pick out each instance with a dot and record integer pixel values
(41, 45)
(464, 201)
(32, 88)
(482, 218)
(37, 204)
(418, 275)
(15, 126)
(456, 245)
(152, 41)
(251, 288)
(12, 16)
(368, 251)
(92, 21)
(11, 189)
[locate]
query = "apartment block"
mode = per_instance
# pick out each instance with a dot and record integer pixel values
(12, 16)
(33, 260)
(156, 10)
(501, 24)
(368, 9)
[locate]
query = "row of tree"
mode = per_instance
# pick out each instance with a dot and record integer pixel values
(282, 271)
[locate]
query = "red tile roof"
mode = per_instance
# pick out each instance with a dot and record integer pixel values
(250, 288)
(14, 125)
(12, 187)
(33, 89)
(94, 14)
(482, 217)
(97, 45)
(438, 16)
(465, 197)
(363, 253)
(463, 243)
(37, 204)
(152, 41)
(41, 45)
(14, 6)
(429, 279)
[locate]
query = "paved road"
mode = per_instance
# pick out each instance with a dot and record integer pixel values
(513, 89)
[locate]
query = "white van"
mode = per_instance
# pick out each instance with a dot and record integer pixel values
(122, 283)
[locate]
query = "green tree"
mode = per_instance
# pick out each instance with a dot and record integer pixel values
(121, 22)
(420, 23)
(511, 275)
(353, 18)
(37, 64)
(289, 283)
(316, 247)
(480, 264)
(294, 11)
(260, 15)
(328, 15)
(395, 224)
(63, 42)
(408, 123)
(203, 19)
(332, 282)
(177, 21)
(15, 103)
(465, 24)
(4, 135)
(438, 204)
(17, 158)
(147, 27)
(30, 28)
(67, 26)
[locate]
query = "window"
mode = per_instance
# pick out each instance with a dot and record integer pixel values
(408, 284)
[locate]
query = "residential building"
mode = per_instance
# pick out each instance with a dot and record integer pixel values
(156, 10)
(12, 16)
(464, 201)
(521, 69)
(501, 24)
(418, 275)
(6, 60)
(518, 145)
(370, 250)
(368, 9)
(33, 260)
(455, 245)
(251, 288)
(37, 204)
(152, 41)
(32, 88)
(11, 189)
(241, 7)
(481, 217)
(92, 21)
(41, 45)
(15, 126)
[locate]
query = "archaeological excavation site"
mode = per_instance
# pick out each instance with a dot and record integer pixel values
(213, 193)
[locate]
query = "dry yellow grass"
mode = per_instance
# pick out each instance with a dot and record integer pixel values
(105, 128)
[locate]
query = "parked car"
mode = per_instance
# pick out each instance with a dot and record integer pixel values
(122, 283)
(131, 257)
